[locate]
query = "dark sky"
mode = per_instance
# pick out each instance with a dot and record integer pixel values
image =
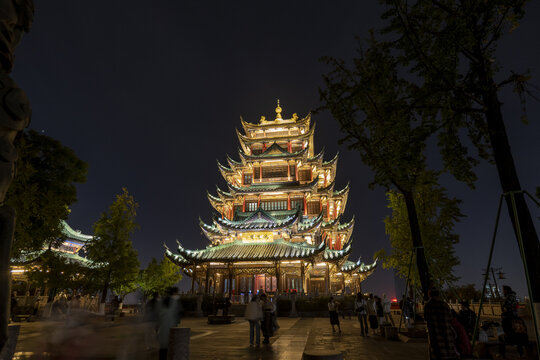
(150, 93)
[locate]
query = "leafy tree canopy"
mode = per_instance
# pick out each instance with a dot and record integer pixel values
(42, 190)
(437, 216)
(55, 272)
(157, 277)
(112, 246)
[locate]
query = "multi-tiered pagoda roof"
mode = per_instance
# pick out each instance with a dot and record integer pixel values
(281, 204)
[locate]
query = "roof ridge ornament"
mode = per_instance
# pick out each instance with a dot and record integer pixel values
(278, 111)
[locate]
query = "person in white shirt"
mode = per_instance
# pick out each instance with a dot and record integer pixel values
(254, 315)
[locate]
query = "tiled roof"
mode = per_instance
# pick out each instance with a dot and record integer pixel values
(238, 251)
(69, 233)
(256, 188)
(337, 254)
(273, 152)
(259, 220)
(358, 266)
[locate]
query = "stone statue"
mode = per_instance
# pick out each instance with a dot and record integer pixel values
(16, 18)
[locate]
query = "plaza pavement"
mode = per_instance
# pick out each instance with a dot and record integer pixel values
(128, 338)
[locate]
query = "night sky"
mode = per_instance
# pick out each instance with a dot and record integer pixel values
(150, 93)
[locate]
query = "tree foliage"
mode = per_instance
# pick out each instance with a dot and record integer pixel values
(373, 107)
(56, 273)
(112, 248)
(42, 190)
(449, 48)
(437, 216)
(466, 292)
(157, 277)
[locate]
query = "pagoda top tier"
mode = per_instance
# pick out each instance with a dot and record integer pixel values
(278, 121)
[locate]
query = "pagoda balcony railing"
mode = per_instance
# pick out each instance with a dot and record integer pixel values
(274, 179)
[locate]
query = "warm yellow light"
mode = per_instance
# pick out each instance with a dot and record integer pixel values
(18, 271)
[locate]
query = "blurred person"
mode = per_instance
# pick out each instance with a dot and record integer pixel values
(170, 310)
(360, 308)
(151, 317)
(387, 310)
(333, 311)
(441, 336)
(254, 315)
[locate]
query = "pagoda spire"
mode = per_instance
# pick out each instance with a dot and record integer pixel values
(278, 111)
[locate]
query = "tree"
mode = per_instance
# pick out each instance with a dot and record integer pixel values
(450, 46)
(42, 191)
(437, 215)
(112, 248)
(54, 272)
(373, 107)
(157, 277)
(462, 293)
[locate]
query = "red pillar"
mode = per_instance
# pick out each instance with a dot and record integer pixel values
(288, 201)
(338, 242)
(264, 147)
(305, 205)
(259, 201)
(260, 173)
(296, 172)
(289, 147)
(244, 205)
(328, 209)
(288, 172)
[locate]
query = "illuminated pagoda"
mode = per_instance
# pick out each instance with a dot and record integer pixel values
(72, 250)
(278, 226)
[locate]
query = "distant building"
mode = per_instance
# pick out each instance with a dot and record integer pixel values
(279, 225)
(72, 249)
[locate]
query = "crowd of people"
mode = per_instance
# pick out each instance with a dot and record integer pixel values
(450, 333)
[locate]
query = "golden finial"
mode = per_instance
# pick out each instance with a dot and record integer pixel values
(278, 112)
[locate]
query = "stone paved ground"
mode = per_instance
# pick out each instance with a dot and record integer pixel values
(127, 338)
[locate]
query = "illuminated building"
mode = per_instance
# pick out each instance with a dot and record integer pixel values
(279, 225)
(71, 250)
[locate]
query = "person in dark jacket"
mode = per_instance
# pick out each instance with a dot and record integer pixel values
(467, 318)
(440, 334)
(515, 332)
(267, 322)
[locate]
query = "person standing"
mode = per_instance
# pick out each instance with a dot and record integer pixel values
(515, 331)
(254, 315)
(170, 309)
(360, 308)
(267, 322)
(462, 342)
(334, 318)
(440, 333)
(467, 318)
(372, 313)
(387, 311)
(379, 310)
